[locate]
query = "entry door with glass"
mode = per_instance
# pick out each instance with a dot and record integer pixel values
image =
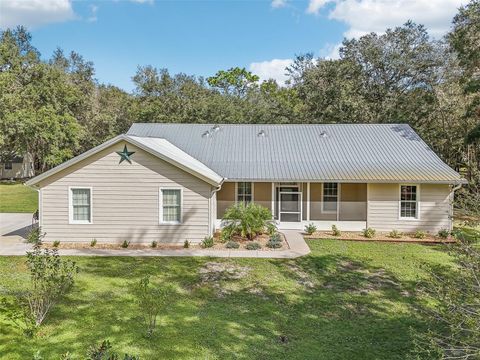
(290, 206)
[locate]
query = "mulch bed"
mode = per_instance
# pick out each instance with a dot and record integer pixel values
(262, 239)
(379, 236)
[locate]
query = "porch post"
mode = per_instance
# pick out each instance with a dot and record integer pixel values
(308, 201)
(273, 200)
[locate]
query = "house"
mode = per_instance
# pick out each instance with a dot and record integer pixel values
(16, 167)
(172, 182)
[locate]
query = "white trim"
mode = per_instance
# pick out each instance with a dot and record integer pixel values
(308, 201)
(160, 205)
(40, 208)
(368, 204)
(70, 205)
(417, 201)
(339, 194)
(322, 210)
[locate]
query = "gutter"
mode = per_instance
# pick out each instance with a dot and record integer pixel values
(210, 219)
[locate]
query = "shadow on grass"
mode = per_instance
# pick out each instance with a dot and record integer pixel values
(315, 307)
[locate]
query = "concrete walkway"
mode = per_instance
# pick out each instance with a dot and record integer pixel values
(13, 245)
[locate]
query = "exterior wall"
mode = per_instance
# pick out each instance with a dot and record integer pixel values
(225, 198)
(19, 170)
(316, 212)
(125, 200)
(353, 202)
(383, 208)
(262, 194)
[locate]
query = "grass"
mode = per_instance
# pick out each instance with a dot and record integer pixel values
(17, 198)
(346, 300)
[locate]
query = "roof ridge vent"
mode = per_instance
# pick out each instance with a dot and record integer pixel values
(261, 133)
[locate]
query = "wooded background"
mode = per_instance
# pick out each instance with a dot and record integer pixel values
(56, 109)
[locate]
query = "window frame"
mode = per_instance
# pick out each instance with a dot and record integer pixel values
(323, 199)
(160, 207)
(10, 166)
(252, 189)
(70, 205)
(417, 203)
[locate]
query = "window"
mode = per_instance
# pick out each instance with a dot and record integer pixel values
(408, 202)
(170, 206)
(244, 192)
(8, 166)
(80, 205)
(330, 197)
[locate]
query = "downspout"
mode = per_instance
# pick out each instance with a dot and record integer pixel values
(452, 194)
(210, 220)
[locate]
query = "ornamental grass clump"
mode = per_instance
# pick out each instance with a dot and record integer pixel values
(253, 246)
(419, 234)
(395, 234)
(248, 220)
(275, 241)
(207, 242)
(232, 245)
(335, 231)
(443, 233)
(369, 233)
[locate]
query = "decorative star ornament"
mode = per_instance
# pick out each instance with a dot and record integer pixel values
(125, 154)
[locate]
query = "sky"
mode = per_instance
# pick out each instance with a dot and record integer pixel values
(202, 37)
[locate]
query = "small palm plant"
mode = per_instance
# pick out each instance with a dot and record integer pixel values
(247, 220)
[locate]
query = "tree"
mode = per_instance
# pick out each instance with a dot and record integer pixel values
(234, 81)
(455, 332)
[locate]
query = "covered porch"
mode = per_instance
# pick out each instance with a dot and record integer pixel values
(295, 204)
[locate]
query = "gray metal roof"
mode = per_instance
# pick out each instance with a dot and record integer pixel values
(346, 153)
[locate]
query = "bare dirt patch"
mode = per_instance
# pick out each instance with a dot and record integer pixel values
(216, 274)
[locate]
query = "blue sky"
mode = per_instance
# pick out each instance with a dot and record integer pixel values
(202, 37)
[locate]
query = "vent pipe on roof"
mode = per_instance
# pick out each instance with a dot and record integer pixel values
(216, 127)
(261, 133)
(206, 134)
(323, 134)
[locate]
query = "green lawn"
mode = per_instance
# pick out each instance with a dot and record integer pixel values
(346, 300)
(17, 198)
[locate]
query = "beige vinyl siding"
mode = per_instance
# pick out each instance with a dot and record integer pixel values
(383, 208)
(125, 200)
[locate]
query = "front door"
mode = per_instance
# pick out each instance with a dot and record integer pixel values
(290, 206)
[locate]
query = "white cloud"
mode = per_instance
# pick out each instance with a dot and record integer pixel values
(365, 16)
(278, 3)
(93, 15)
(273, 69)
(33, 13)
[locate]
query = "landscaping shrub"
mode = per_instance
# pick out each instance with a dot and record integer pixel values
(369, 233)
(207, 242)
(56, 244)
(35, 236)
(336, 231)
(50, 279)
(232, 245)
(395, 234)
(310, 228)
(247, 220)
(186, 244)
(226, 234)
(275, 241)
(154, 244)
(93, 242)
(151, 300)
(253, 246)
(125, 244)
(443, 233)
(271, 228)
(419, 234)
